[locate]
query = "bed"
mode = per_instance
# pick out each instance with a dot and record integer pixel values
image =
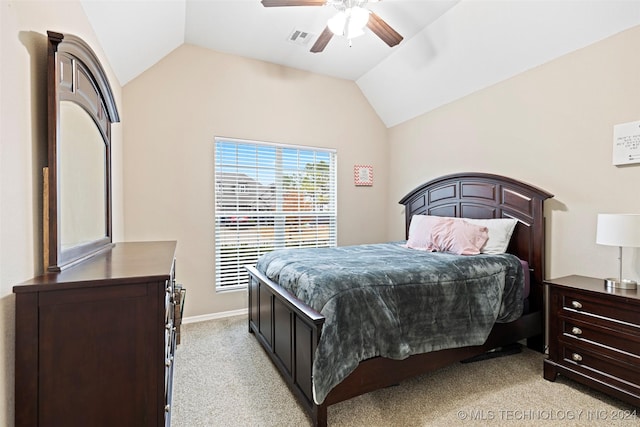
(291, 331)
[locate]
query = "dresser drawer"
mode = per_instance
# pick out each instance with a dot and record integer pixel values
(600, 331)
(605, 366)
(616, 310)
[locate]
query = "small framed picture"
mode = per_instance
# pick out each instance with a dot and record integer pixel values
(626, 143)
(363, 175)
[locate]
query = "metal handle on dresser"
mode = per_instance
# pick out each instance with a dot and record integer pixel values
(167, 408)
(576, 357)
(576, 331)
(167, 363)
(576, 304)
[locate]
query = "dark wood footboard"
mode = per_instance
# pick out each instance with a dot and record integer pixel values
(289, 331)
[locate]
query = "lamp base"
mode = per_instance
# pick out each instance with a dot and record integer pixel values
(620, 284)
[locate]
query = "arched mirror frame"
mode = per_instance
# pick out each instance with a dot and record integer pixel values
(74, 74)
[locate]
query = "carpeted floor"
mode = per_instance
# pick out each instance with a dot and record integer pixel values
(223, 378)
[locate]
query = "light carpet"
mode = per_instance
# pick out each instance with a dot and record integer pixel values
(224, 378)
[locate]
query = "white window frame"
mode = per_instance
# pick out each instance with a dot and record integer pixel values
(254, 215)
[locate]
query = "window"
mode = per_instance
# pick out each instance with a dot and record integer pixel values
(270, 196)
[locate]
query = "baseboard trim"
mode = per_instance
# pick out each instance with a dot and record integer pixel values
(214, 316)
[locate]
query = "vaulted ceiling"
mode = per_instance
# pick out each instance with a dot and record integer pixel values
(451, 48)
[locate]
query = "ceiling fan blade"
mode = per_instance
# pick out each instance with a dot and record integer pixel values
(280, 3)
(322, 41)
(383, 30)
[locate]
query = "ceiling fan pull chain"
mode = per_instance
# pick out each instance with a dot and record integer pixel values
(347, 23)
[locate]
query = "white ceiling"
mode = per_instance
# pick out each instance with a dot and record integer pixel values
(451, 47)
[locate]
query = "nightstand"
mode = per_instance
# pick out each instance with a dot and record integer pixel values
(594, 336)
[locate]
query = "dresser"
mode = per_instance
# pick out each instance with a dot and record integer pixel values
(95, 342)
(594, 336)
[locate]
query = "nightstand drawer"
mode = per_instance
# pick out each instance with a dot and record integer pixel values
(617, 310)
(603, 332)
(608, 368)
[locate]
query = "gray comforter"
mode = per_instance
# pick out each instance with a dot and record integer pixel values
(387, 300)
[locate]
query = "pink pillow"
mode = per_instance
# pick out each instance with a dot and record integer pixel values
(458, 237)
(443, 234)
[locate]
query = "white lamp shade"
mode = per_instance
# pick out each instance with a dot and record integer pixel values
(618, 230)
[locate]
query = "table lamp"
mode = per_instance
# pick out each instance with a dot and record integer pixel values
(622, 230)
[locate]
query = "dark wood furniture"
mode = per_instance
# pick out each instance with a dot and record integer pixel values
(289, 330)
(77, 180)
(95, 343)
(594, 336)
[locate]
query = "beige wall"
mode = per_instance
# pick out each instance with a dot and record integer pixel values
(175, 109)
(23, 53)
(551, 127)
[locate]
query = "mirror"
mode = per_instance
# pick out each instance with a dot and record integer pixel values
(81, 178)
(77, 202)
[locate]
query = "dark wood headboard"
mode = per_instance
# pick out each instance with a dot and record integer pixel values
(481, 195)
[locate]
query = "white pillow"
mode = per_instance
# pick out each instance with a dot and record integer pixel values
(500, 231)
(420, 231)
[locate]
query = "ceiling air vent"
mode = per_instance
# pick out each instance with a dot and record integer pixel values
(300, 37)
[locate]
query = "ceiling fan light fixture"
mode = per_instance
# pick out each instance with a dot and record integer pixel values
(349, 23)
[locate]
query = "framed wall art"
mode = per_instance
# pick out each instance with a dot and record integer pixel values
(363, 175)
(626, 143)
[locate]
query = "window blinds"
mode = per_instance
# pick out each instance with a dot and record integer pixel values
(269, 196)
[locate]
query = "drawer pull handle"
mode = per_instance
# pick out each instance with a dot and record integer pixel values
(167, 408)
(576, 331)
(576, 304)
(576, 357)
(167, 363)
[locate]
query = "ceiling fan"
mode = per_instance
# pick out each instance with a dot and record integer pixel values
(351, 19)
